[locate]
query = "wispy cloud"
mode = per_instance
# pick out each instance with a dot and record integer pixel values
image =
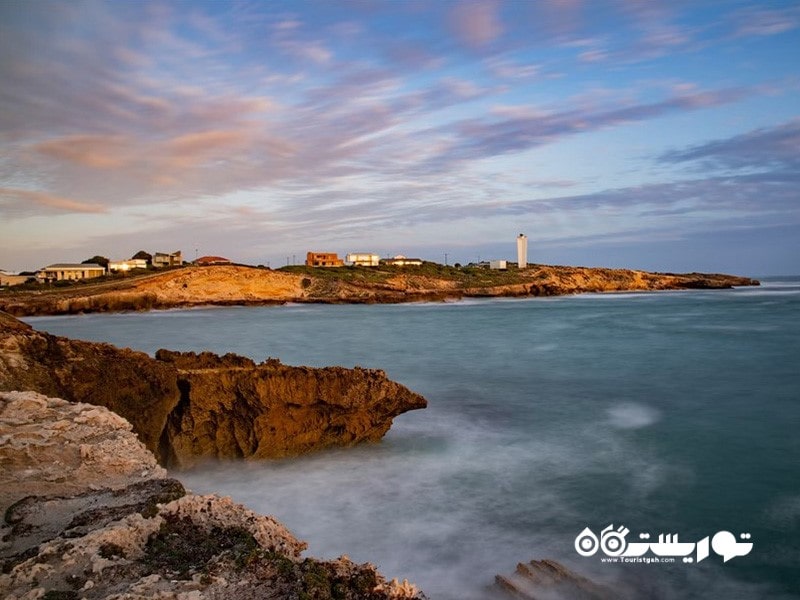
(93, 151)
(485, 137)
(356, 118)
(765, 21)
(20, 203)
(767, 149)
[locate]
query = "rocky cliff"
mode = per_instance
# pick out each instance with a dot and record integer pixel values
(231, 407)
(188, 407)
(226, 285)
(89, 514)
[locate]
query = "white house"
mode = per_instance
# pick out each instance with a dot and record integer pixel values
(127, 265)
(69, 271)
(403, 261)
(498, 265)
(362, 259)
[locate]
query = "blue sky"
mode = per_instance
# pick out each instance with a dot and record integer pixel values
(642, 134)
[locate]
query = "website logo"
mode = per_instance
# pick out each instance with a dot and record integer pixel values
(613, 543)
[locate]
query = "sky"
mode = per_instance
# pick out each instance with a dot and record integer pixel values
(660, 135)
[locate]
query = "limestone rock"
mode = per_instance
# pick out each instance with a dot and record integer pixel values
(550, 580)
(130, 383)
(241, 285)
(147, 538)
(231, 407)
(45, 449)
(186, 407)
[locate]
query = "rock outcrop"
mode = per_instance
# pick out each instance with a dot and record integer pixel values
(187, 407)
(548, 579)
(51, 446)
(143, 537)
(231, 407)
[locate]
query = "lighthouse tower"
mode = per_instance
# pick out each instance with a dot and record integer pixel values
(522, 250)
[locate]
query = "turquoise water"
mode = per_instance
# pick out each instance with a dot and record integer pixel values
(673, 412)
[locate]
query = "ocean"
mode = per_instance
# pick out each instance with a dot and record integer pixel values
(664, 413)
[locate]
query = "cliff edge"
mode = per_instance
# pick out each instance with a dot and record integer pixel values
(188, 407)
(242, 285)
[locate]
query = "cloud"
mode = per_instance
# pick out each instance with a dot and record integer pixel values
(198, 148)
(19, 203)
(476, 23)
(484, 137)
(346, 121)
(94, 151)
(772, 149)
(765, 22)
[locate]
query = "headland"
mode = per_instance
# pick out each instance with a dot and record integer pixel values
(226, 285)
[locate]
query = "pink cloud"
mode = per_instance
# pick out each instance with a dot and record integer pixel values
(94, 151)
(476, 23)
(29, 201)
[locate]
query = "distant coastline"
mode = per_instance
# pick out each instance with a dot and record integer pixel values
(233, 285)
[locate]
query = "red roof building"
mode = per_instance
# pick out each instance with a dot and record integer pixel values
(205, 261)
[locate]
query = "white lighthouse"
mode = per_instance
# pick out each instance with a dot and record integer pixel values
(522, 250)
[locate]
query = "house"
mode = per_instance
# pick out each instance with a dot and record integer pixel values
(402, 261)
(361, 259)
(127, 265)
(162, 259)
(68, 272)
(8, 279)
(323, 259)
(498, 265)
(206, 261)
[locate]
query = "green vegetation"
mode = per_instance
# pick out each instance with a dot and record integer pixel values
(352, 274)
(181, 548)
(466, 276)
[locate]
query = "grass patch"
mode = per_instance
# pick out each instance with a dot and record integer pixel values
(181, 548)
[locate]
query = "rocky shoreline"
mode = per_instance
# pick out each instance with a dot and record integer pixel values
(245, 286)
(89, 511)
(187, 407)
(89, 514)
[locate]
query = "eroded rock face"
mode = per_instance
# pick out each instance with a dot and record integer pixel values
(230, 407)
(129, 383)
(146, 538)
(187, 407)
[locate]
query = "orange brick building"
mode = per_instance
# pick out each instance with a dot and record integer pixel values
(323, 259)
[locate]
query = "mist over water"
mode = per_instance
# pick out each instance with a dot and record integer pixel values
(666, 413)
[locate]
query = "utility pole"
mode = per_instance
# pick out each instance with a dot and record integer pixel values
(293, 260)
(445, 259)
(287, 261)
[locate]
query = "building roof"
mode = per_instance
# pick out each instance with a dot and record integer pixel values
(203, 259)
(73, 266)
